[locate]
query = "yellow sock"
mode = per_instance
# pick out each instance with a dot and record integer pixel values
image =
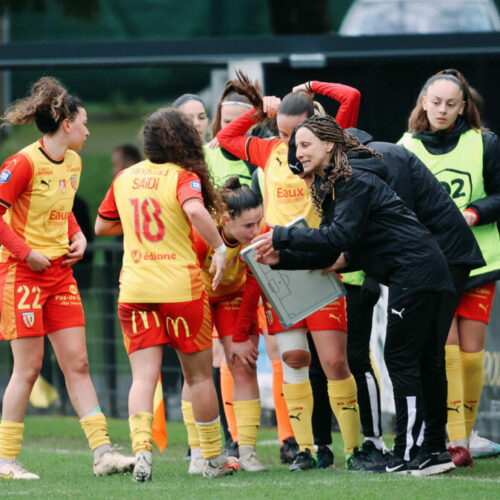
(344, 402)
(285, 430)
(190, 423)
(248, 421)
(299, 399)
(227, 388)
(96, 430)
(472, 377)
(11, 437)
(455, 399)
(210, 440)
(141, 431)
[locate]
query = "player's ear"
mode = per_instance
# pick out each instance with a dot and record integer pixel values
(65, 124)
(225, 218)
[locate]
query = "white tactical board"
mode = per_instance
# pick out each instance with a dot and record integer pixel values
(294, 295)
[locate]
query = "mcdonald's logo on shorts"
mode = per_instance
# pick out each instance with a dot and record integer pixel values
(175, 326)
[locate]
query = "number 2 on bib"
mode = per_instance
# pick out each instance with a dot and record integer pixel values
(147, 222)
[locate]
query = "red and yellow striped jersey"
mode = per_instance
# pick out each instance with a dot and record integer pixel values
(159, 262)
(38, 192)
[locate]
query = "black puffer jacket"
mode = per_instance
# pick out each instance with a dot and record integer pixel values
(381, 234)
(414, 183)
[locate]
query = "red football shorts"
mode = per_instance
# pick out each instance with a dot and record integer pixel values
(476, 303)
(331, 317)
(35, 304)
(186, 326)
(225, 316)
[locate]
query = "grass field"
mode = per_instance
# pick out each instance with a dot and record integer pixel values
(54, 447)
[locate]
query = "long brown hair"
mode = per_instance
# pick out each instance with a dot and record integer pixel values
(418, 121)
(170, 137)
(47, 104)
(326, 128)
(229, 95)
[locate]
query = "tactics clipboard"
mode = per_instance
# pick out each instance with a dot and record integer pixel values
(294, 295)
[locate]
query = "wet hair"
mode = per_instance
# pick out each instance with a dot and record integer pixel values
(229, 95)
(326, 128)
(48, 104)
(170, 137)
(235, 198)
(129, 152)
(418, 121)
(186, 98)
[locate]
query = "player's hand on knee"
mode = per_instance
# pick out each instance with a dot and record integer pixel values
(37, 261)
(246, 352)
(218, 267)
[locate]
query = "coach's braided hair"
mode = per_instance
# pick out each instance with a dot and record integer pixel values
(235, 197)
(47, 105)
(170, 137)
(326, 128)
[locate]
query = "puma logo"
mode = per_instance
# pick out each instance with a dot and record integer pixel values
(345, 408)
(483, 307)
(470, 408)
(296, 416)
(398, 313)
(45, 183)
(337, 318)
(457, 409)
(279, 161)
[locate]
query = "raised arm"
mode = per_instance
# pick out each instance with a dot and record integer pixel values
(253, 149)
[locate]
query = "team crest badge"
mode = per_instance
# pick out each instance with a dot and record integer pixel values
(73, 290)
(73, 182)
(62, 184)
(29, 318)
(269, 316)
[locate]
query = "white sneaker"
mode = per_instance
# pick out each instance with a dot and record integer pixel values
(249, 461)
(196, 465)
(14, 470)
(480, 447)
(220, 466)
(113, 462)
(143, 470)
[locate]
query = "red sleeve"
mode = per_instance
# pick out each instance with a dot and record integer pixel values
(201, 247)
(108, 209)
(248, 309)
(253, 149)
(15, 175)
(11, 240)
(348, 97)
(73, 226)
(188, 187)
(472, 211)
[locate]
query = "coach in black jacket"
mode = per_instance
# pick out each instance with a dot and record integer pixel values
(363, 216)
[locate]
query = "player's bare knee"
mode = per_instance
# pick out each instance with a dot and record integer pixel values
(30, 372)
(297, 358)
